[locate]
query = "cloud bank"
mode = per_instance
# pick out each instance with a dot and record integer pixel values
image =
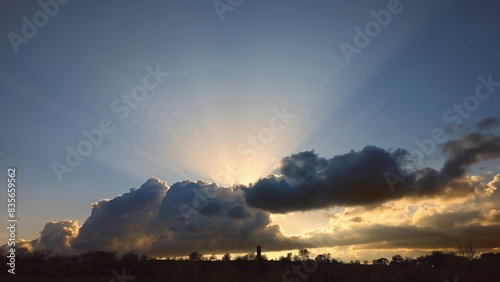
(162, 220)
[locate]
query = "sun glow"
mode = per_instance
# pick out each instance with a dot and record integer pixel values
(219, 137)
(242, 171)
(232, 146)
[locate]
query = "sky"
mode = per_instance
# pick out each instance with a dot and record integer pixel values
(357, 128)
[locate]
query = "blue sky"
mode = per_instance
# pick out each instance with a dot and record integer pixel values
(225, 78)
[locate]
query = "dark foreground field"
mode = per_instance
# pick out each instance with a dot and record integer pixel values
(155, 270)
(42, 265)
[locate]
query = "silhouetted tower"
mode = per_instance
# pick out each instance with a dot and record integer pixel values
(259, 256)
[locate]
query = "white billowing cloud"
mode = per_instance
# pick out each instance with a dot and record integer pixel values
(166, 221)
(493, 185)
(492, 217)
(215, 219)
(55, 236)
(126, 222)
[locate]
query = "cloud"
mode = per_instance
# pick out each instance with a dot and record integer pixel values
(429, 209)
(309, 182)
(160, 220)
(466, 151)
(449, 219)
(125, 222)
(493, 216)
(218, 220)
(55, 236)
(148, 220)
(404, 224)
(380, 236)
(493, 187)
(488, 123)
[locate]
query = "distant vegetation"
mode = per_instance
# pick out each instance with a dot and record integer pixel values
(100, 266)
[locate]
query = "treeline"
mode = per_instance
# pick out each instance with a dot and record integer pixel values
(198, 267)
(43, 263)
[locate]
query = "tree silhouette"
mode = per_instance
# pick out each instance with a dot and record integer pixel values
(195, 256)
(212, 257)
(467, 249)
(380, 261)
(323, 258)
(304, 254)
(397, 260)
(490, 256)
(43, 265)
(130, 261)
(100, 262)
(226, 257)
(249, 256)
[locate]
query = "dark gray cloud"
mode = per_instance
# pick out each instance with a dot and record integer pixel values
(488, 123)
(309, 182)
(450, 219)
(379, 236)
(466, 151)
